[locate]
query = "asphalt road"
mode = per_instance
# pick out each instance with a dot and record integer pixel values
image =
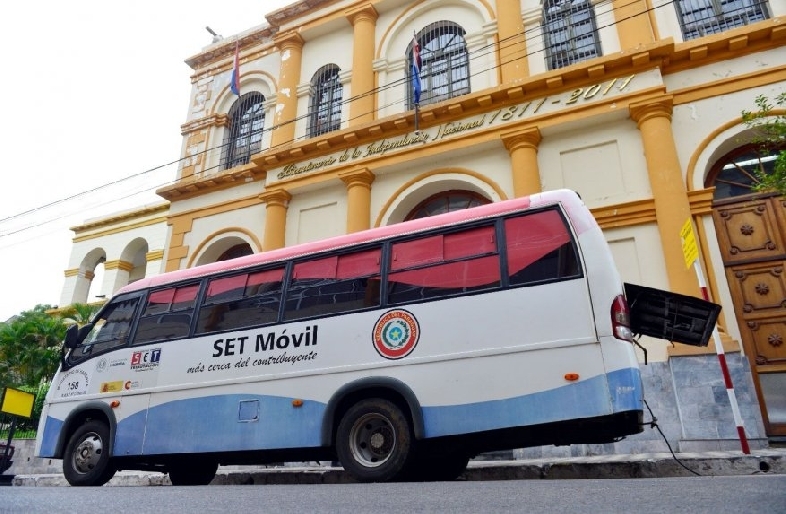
(712, 495)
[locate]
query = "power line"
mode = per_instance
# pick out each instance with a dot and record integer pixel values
(511, 42)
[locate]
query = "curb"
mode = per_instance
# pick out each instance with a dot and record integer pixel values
(601, 467)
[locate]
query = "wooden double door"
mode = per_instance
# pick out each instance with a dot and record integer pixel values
(751, 233)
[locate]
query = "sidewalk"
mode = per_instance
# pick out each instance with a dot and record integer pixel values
(645, 465)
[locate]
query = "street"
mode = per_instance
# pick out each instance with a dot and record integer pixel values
(759, 493)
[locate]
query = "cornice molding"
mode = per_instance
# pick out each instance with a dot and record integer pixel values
(120, 218)
(626, 214)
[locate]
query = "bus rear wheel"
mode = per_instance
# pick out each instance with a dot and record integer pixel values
(87, 459)
(374, 441)
(192, 472)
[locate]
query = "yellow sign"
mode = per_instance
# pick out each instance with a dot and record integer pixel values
(18, 403)
(689, 248)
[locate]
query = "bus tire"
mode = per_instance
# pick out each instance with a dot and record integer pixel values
(374, 441)
(193, 472)
(87, 461)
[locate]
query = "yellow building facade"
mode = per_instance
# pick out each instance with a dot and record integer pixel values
(636, 105)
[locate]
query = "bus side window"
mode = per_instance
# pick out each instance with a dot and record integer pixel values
(540, 249)
(167, 314)
(110, 329)
(332, 285)
(241, 301)
(444, 265)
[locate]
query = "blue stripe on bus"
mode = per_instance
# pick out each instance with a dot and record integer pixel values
(584, 399)
(52, 429)
(212, 423)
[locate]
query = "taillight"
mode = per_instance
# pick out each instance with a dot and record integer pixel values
(620, 319)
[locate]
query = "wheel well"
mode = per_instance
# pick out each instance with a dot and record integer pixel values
(79, 418)
(391, 390)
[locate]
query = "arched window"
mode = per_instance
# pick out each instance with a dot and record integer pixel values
(446, 201)
(569, 31)
(326, 96)
(444, 71)
(735, 173)
(701, 17)
(244, 134)
(239, 250)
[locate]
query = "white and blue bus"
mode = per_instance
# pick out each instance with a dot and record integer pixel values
(401, 351)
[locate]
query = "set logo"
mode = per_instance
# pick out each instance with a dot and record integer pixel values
(396, 334)
(144, 360)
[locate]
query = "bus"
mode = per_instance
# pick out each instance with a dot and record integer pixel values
(401, 351)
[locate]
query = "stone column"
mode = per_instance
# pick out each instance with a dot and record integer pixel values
(115, 276)
(512, 43)
(523, 148)
(634, 27)
(363, 19)
(76, 287)
(358, 182)
(277, 201)
(290, 45)
(672, 207)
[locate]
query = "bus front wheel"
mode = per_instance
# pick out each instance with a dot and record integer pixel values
(374, 441)
(87, 461)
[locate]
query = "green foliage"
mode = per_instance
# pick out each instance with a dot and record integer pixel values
(30, 347)
(770, 130)
(30, 352)
(30, 343)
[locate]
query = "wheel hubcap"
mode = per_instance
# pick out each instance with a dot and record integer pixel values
(372, 440)
(88, 453)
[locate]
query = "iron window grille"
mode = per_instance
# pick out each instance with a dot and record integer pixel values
(244, 135)
(570, 32)
(444, 71)
(326, 96)
(702, 17)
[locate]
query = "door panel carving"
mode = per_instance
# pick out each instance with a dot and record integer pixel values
(752, 239)
(750, 230)
(760, 287)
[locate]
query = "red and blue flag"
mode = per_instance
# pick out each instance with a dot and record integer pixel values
(234, 83)
(416, 63)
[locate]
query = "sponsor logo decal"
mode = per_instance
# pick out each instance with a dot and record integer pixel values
(117, 362)
(101, 365)
(396, 334)
(131, 384)
(73, 383)
(112, 387)
(145, 360)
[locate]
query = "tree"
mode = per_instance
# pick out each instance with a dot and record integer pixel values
(770, 130)
(30, 347)
(79, 313)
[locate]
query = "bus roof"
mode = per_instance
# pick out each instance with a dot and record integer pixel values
(580, 216)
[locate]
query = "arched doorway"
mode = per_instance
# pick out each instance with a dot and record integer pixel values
(446, 201)
(751, 229)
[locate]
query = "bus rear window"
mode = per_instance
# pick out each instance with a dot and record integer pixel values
(540, 248)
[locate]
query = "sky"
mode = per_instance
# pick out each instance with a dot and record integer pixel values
(93, 92)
